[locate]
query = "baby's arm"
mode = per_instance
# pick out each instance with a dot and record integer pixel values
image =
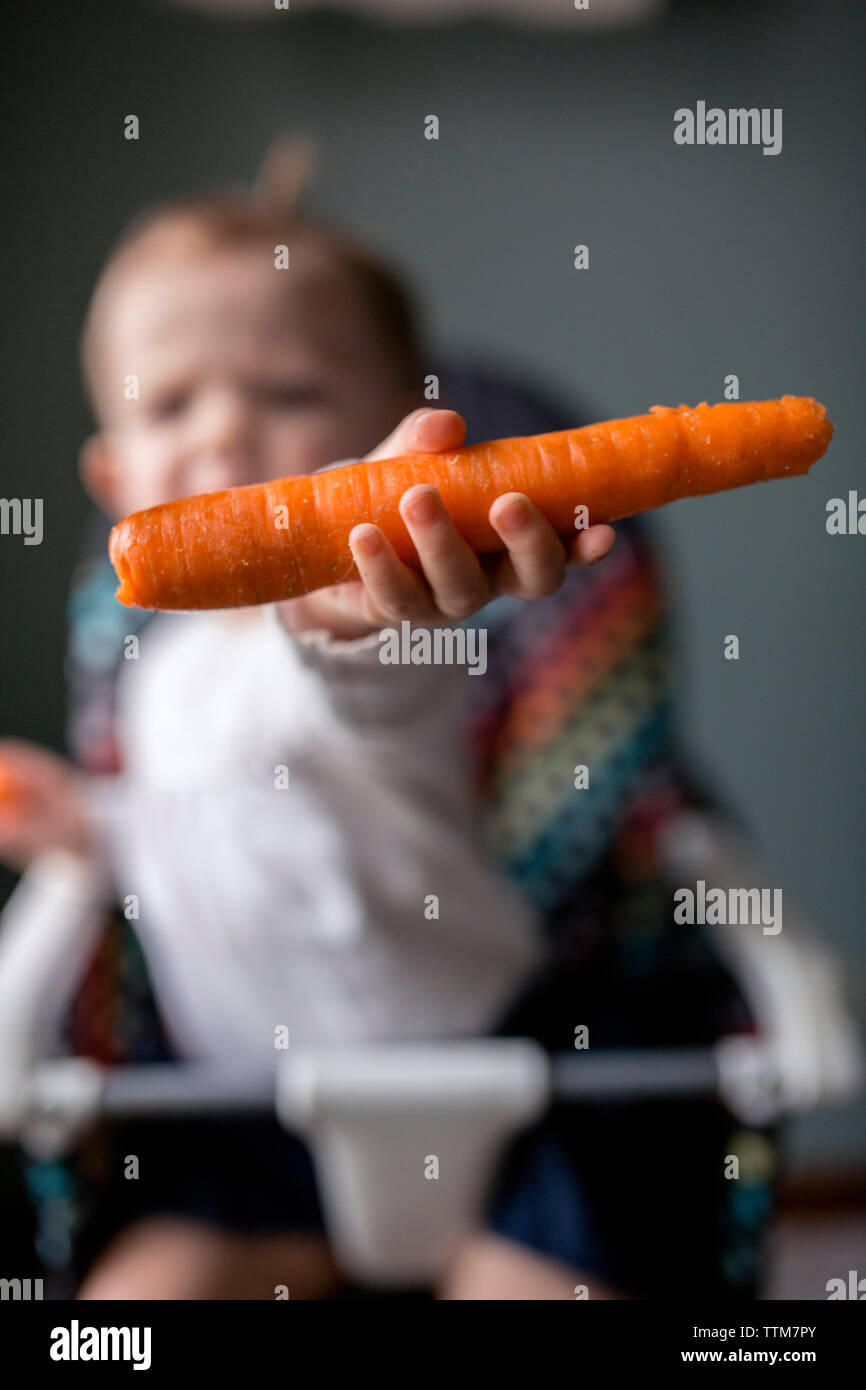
(455, 582)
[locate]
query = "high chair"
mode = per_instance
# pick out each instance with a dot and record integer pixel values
(371, 1114)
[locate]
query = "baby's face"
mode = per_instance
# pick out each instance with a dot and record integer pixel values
(240, 379)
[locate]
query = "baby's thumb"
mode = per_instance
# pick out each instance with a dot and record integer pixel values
(424, 431)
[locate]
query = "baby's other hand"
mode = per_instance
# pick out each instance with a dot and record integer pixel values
(454, 582)
(42, 805)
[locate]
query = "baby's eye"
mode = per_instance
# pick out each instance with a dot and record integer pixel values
(168, 405)
(283, 396)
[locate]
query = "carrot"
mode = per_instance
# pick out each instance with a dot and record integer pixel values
(280, 539)
(12, 792)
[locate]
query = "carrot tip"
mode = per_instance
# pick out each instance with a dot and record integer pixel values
(125, 592)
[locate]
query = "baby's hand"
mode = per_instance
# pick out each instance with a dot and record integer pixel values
(455, 581)
(41, 805)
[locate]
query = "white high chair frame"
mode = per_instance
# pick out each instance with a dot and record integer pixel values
(373, 1114)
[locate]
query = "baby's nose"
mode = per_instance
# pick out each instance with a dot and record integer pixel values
(224, 421)
(223, 441)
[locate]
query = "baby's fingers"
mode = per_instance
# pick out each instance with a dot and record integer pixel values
(536, 559)
(534, 564)
(392, 591)
(458, 583)
(591, 545)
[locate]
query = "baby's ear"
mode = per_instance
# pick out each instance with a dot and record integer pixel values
(97, 468)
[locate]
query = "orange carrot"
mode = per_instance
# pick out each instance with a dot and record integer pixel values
(280, 539)
(12, 792)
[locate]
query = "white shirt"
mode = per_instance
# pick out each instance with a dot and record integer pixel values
(310, 907)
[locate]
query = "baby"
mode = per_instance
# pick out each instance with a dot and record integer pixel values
(286, 801)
